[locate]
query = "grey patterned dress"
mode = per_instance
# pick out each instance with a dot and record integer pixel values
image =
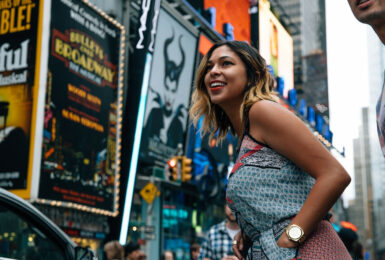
(265, 190)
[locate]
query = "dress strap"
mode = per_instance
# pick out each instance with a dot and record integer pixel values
(246, 125)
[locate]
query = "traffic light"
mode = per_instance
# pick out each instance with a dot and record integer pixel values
(173, 168)
(186, 169)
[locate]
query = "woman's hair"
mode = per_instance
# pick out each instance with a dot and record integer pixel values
(260, 87)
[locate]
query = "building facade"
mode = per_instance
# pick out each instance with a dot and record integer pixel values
(367, 209)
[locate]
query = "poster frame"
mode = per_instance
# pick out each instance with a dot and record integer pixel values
(41, 93)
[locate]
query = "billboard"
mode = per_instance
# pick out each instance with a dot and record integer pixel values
(171, 79)
(276, 46)
(235, 12)
(80, 159)
(19, 55)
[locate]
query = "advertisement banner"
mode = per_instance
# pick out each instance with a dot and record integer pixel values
(276, 45)
(170, 83)
(79, 157)
(235, 12)
(18, 48)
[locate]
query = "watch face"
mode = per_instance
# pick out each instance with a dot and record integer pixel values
(295, 232)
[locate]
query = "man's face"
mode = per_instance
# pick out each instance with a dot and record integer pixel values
(134, 255)
(229, 214)
(194, 252)
(168, 255)
(371, 12)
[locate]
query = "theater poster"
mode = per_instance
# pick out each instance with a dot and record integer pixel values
(79, 162)
(168, 98)
(19, 55)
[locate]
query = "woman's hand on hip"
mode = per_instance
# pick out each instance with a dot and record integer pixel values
(285, 242)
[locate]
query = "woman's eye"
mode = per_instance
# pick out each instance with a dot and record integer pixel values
(209, 67)
(225, 63)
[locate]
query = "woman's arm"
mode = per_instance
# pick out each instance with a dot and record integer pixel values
(284, 132)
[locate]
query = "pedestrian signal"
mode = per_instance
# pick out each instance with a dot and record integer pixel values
(186, 169)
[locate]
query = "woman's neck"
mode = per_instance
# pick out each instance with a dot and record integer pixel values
(235, 118)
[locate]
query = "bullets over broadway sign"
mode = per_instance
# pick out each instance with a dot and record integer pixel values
(18, 40)
(81, 108)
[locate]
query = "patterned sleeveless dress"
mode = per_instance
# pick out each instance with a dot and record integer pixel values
(265, 191)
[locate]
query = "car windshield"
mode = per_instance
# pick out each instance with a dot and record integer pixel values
(20, 239)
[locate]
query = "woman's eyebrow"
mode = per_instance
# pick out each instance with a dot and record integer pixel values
(221, 58)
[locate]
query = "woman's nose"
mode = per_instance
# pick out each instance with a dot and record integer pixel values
(214, 70)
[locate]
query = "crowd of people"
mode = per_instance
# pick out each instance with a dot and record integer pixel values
(217, 244)
(113, 250)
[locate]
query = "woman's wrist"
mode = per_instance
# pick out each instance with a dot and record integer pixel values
(285, 242)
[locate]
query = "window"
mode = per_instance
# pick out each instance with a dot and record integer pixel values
(20, 239)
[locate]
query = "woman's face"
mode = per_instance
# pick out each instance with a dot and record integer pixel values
(226, 77)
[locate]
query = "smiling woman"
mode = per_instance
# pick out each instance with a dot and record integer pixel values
(284, 181)
(225, 78)
(224, 70)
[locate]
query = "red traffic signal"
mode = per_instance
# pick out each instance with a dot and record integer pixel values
(172, 162)
(174, 169)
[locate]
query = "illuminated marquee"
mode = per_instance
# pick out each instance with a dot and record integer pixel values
(83, 56)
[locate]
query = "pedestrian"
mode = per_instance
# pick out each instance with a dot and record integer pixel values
(350, 239)
(283, 178)
(218, 242)
(194, 250)
(132, 252)
(113, 250)
(373, 13)
(168, 255)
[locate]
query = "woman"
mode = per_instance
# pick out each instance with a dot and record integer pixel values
(283, 179)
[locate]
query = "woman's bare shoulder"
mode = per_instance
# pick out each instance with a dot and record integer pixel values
(266, 110)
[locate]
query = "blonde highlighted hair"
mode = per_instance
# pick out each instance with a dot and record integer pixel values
(260, 88)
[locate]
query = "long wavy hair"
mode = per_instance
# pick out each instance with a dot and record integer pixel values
(260, 88)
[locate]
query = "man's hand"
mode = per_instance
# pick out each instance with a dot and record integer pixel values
(242, 242)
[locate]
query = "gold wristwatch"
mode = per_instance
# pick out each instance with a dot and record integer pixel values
(295, 233)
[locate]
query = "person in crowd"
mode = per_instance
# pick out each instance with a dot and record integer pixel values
(168, 255)
(142, 256)
(350, 239)
(358, 251)
(113, 250)
(284, 180)
(373, 13)
(194, 250)
(218, 242)
(132, 252)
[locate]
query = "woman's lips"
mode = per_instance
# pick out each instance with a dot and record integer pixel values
(217, 85)
(217, 88)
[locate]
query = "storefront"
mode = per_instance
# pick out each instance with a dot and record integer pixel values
(172, 221)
